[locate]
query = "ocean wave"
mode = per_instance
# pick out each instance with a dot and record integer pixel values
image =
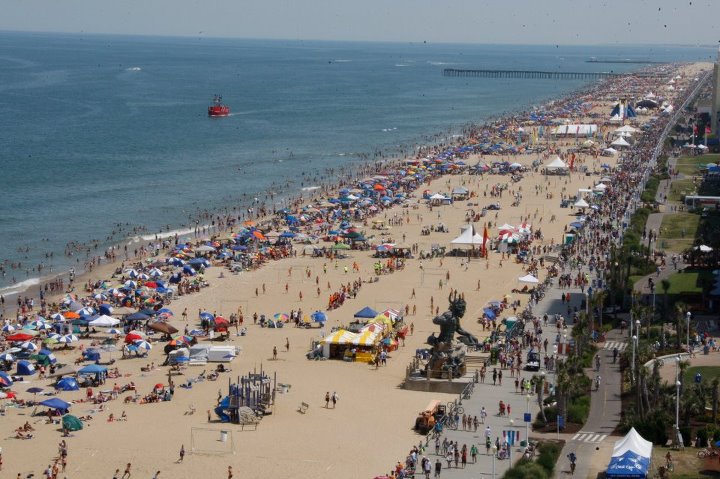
(133, 69)
(401, 65)
(441, 63)
(166, 234)
(20, 287)
(342, 61)
(310, 188)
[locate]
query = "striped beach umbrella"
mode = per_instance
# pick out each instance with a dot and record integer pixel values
(8, 328)
(57, 317)
(29, 346)
(7, 357)
(143, 345)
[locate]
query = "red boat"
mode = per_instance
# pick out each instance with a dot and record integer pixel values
(217, 108)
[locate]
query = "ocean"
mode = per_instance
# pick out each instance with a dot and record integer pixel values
(103, 138)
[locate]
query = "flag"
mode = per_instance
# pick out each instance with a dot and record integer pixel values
(485, 240)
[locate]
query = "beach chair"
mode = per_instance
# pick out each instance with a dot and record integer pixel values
(303, 407)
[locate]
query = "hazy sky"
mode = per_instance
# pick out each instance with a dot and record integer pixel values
(470, 21)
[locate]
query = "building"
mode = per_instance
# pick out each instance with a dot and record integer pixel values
(715, 106)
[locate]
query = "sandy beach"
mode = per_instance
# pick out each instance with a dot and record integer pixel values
(371, 427)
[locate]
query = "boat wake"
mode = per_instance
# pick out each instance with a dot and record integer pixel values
(133, 69)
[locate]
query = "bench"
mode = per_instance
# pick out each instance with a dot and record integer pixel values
(303, 407)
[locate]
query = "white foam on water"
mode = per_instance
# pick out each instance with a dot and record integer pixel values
(310, 188)
(19, 287)
(134, 69)
(169, 234)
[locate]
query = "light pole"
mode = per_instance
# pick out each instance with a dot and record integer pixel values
(634, 341)
(494, 453)
(688, 316)
(528, 397)
(677, 400)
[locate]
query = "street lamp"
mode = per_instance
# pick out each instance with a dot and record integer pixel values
(528, 397)
(688, 316)
(677, 400)
(494, 453)
(634, 341)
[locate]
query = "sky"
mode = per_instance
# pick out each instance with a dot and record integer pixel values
(565, 22)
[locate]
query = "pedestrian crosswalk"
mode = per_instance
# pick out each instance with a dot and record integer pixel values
(589, 437)
(615, 344)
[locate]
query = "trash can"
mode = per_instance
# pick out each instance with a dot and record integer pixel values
(223, 436)
(523, 443)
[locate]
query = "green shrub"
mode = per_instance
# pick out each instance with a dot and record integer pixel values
(579, 409)
(547, 458)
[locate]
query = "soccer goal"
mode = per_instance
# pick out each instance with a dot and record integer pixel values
(209, 441)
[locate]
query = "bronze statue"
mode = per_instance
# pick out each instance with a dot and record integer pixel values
(449, 323)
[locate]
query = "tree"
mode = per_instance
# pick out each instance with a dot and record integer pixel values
(715, 387)
(665, 285)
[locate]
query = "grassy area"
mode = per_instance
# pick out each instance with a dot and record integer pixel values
(679, 226)
(678, 231)
(688, 165)
(708, 373)
(687, 464)
(680, 188)
(689, 282)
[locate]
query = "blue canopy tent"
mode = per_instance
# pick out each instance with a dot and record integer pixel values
(25, 368)
(56, 403)
(489, 313)
(366, 312)
(67, 384)
(5, 380)
(630, 458)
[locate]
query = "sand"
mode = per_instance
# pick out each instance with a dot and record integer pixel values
(371, 428)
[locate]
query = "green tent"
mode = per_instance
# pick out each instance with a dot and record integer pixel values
(71, 423)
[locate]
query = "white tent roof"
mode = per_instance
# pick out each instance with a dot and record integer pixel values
(704, 248)
(633, 442)
(528, 278)
(620, 142)
(599, 186)
(104, 321)
(437, 196)
(626, 129)
(468, 236)
(612, 151)
(581, 203)
(556, 163)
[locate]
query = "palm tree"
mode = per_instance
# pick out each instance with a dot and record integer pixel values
(680, 309)
(665, 285)
(715, 387)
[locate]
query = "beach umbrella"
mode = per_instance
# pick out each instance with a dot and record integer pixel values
(281, 317)
(35, 390)
(114, 331)
(155, 273)
(133, 336)
(29, 346)
(57, 317)
(131, 272)
(319, 317)
(105, 309)
(8, 328)
(130, 284)
(44, 327)
(206, 315)
(71, 315)
(7, 357)
(100, 296)
(165, 311)
(143, 345)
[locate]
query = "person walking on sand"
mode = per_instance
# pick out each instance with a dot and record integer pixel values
(327, 400)
(335, 398)
(275, 352)
(230, 473)
(127, 471)
(182, 453)
(287, 345)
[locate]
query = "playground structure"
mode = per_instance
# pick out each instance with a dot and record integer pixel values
(249, 399)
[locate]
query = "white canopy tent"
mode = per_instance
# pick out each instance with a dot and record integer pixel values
(620, 143)
(581, 203)
(575, 130)
(556, 164)
(468, 237)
